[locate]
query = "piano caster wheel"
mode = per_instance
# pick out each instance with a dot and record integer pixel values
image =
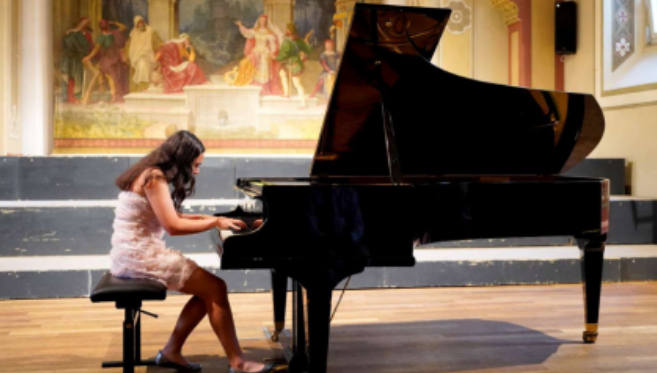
(590, 337)
(274, 336)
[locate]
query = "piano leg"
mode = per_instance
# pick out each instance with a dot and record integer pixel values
(299, 361)
(592, 256)
(318, 284)
(279, 297)
(319, 326)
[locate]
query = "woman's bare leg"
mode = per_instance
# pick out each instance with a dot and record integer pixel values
(213, 291)
(191, 315)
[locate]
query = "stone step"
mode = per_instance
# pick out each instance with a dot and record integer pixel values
(71, 177)
(73, 228)
(69, 228)
(57, 277)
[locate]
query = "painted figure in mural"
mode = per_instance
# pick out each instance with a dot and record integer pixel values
(329, 60)
(259, 66)
(293, 53)
(77, 44)
(140, 50)
(176, 58)
(111, 63)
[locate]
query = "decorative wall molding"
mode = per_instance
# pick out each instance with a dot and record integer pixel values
(461, 18)
(509, 10)
(623, 34)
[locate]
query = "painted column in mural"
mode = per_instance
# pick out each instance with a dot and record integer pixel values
(162, 18)
(344, 10)
(279, 12)
(95, 14)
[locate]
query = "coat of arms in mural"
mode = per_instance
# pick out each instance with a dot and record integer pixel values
(245, 75)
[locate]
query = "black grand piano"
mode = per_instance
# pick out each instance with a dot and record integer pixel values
(412, 154)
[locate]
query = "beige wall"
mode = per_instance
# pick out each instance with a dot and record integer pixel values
(9, 60)
(631, 132)
(543, 70)
(491, 40)
(4, 56)
(455, 50)
(14, 144)
(580, 68)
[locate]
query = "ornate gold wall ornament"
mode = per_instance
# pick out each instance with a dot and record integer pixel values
(509, 10)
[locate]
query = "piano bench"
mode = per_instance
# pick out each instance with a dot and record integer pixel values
(128, 294)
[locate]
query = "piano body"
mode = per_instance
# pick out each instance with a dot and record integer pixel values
(411, 154)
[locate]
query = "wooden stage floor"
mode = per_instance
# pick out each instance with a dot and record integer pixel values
(499, 329)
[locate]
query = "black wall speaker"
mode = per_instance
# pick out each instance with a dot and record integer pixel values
(566, 27)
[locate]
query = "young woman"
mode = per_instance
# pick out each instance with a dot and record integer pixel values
(146, 209)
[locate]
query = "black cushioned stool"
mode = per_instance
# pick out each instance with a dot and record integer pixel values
(128, 295)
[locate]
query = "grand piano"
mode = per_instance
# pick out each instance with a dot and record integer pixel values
(411, 154)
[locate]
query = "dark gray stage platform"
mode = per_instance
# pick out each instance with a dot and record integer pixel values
(56, 215)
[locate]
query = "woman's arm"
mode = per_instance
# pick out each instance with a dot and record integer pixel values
(196, 217)
(157, 192)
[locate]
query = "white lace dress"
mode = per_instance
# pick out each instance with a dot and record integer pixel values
(138, 250)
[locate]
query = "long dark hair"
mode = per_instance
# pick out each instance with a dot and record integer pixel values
(175, 159)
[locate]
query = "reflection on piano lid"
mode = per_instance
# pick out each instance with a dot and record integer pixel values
(392, 113)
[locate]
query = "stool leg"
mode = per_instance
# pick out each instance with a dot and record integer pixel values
(138, 337)
(129, 341)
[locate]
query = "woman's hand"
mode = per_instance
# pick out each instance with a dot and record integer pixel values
(227, 223)
(256, 224)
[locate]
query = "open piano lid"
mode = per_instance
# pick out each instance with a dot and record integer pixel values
(394, 114)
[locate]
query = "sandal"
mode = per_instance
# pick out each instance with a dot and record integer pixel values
(162, 361)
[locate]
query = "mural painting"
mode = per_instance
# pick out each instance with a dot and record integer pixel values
(247, 76)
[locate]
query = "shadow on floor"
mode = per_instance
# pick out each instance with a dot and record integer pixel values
(438, 346)
(444, 346)
(433, 346)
